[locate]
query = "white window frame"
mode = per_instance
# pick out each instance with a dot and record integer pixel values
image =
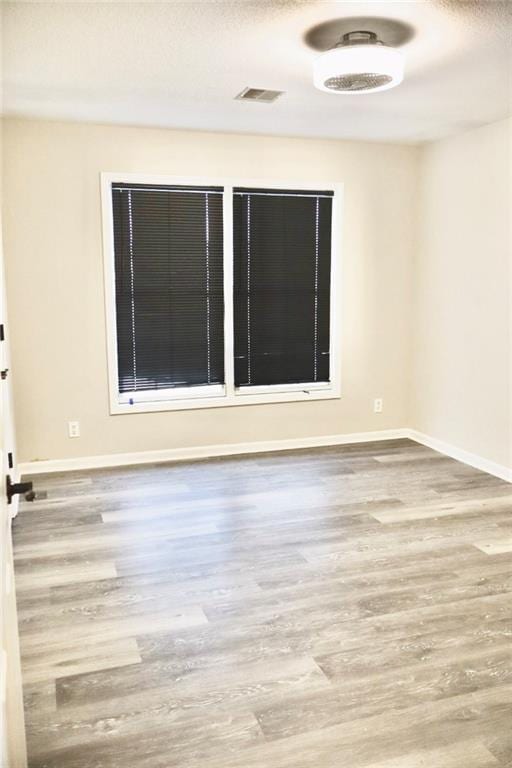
(216, 396)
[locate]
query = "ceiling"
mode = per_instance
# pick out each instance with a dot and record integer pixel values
(180, 64)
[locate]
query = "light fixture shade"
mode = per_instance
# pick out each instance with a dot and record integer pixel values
(359, 69)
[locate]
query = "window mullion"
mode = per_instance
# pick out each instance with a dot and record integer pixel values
(229, 346)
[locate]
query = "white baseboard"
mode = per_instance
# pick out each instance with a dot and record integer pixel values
(473, 459)
(203, 452)
(234, 449)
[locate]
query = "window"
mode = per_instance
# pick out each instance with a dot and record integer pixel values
(218, 294)
(168, 258)
(282, 275)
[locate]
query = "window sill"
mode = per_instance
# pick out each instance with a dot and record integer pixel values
(302, 393)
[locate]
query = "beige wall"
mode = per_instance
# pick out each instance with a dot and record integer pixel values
(55, 282)
(425, 297)
(461, 382)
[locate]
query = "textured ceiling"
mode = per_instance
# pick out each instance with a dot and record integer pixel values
(180, 64)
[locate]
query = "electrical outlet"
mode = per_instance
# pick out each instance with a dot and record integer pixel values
(378, 405)
(73, 429)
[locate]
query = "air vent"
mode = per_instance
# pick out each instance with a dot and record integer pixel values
(258, 94)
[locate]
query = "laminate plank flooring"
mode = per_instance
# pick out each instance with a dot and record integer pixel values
(346, 606)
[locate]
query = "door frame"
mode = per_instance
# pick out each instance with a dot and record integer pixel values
(13, 752)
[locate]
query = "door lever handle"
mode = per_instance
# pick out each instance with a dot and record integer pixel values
(22, 488)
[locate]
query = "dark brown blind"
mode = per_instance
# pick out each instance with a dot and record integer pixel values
(168, 244)
(282, 266)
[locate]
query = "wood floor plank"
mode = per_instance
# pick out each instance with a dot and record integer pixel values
(40, 665)
(102, 538)
(40, 699)
(470, 753)
(306, 609)
(495, 547)
(156, 738)
(105, 630)
(405, 514)
(192, 689)
(66, 574)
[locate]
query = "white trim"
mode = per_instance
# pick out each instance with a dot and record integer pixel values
(229, 339)
(217, 181)
(473, 459)
(204, 452)
(336, 289)
(172, 393)
(234, 449)
(304, 393)
(302, 386)
(186, 398)
(109, 282)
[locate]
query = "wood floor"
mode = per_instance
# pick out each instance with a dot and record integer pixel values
(332, 608)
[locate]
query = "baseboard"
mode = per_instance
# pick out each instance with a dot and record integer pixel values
(234, 449)
(203, 452)
(473, 459)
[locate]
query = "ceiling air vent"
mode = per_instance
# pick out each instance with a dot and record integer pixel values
(258, 94)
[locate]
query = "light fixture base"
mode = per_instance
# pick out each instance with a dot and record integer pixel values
(359, 37)
(326, 35)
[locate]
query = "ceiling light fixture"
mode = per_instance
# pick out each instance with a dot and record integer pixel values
(359, 63)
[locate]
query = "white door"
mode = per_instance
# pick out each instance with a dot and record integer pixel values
(12, 739)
